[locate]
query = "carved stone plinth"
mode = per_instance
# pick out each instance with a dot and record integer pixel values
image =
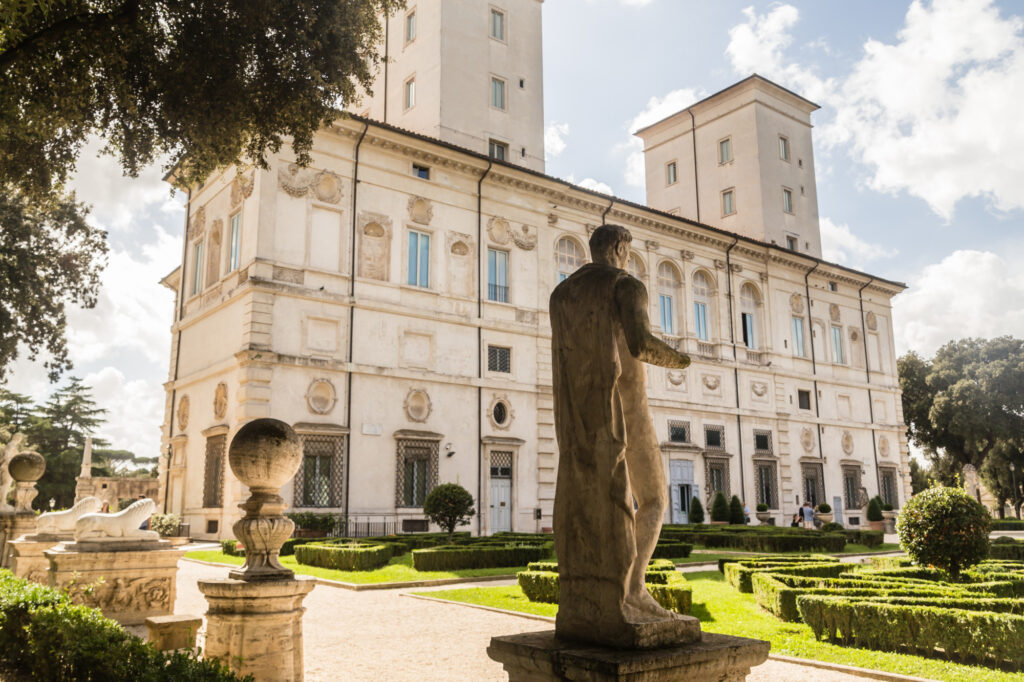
(169, 633)
(539, 657)
(255, 627)
(27, 558)
(127, 582)
(13, 525)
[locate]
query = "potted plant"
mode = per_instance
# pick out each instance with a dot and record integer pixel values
(825, 513)
(763, 515)
(888, 518)
(875, 517)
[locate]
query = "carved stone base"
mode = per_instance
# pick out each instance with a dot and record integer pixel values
(540, 657)
(27, 559)
(13, 525)
(169, 633)
(256, 627)
(128, 585)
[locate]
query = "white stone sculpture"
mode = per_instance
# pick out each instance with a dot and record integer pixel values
(12, 448)
(54, 523)
(124, 525)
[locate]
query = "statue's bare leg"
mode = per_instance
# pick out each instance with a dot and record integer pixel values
(647, 480)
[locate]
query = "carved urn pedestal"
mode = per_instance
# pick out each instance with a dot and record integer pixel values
(25, 468)
(254, 619)
(129, 580)
(540, 657)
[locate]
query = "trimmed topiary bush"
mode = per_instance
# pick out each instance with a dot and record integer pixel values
(449, 505)
(944, 527)
(457, 557)
(875, 510)
(348, 557)
(696, 511)
(824, 508)
(736, 515)
(720, 508)
(762, 507)
(667, 585)
(831, 527)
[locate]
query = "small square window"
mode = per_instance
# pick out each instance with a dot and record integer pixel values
(671, 173)
(497, 24)
(832, 286)
(728, 202)
(787, 200)
(763, 441)
(803, 399)
(497, 93)
(725, 150)
(783, 148)
(714, 437)
(421, 171)
(792, 243)
(522, 83)
(410, 94)
(679, 432)
(498, 150)
(410, 27)
(499, 359)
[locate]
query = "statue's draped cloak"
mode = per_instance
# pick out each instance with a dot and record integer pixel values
(597, 385)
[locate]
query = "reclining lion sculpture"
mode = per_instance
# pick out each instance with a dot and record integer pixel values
(122, 525)
(63, 522)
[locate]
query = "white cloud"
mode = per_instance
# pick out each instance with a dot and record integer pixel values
(657, 109)
(135, 410)
(935, 113)
(840, 245)
(554, 139)
(968, 293)
(591, 184)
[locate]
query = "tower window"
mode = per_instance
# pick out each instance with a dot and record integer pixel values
(410, 93)
(498, 150)
(803, 399)
(832, 286)
(787, 200)
(421, 171)
(725, 150)
(671, 173)
(410, 27)
(792, 243)
(783, 148)
(498, 25)
(522, 83)
(497, 93)
(728, 202)
(499, 359)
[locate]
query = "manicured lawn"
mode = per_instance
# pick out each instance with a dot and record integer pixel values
(397, 570)
(723, 610)
(864, 549)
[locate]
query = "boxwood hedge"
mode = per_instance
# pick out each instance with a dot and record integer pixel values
(456, 557)
(344, 557)
(740, 573)
(667, 585)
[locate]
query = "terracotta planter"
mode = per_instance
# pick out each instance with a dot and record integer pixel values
(877, 525)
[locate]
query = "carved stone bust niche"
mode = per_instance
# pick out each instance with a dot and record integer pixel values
(883, 446)
(374, 246)
(807, 439)
(420, 210)
(796, 304)
(321, 396)
(241, 187)
(417, 405)
(847, 442)
(220, 401)
(872, 321)
(498, 230)
(833, 312)
(183, 405)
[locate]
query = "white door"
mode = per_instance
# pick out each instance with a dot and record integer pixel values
(680, 489)
(501, 504)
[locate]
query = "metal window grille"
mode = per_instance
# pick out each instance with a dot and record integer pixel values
(213, 479)
(714, 437)
(814, 483)
(499, 359)
(416, 473)
(320, 480)
(762, 442)
(889, 494)
(767, 484)
(716, 477)
(679, 432)
(851, 487)
(501, 465)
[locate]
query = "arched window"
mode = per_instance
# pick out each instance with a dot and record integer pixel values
(702, 306)
(636, 267)
(750, 302)
(668, 294)
(569, 256)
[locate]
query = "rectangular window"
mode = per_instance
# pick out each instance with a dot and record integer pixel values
(421, 171)
(783, 148)
(319, 482)
(714, 437)
(851, 487)
(417, 472)
(763, 442)
(419, 259)
(792, 243)
(837, 346)
(716, 477)
(725, 150)
(787, 200)
(889, 494)
(700, 320)
(197, 268)
(497, 93)
(803, 399)
(667, 322)
(728, 202)
(497, 24)
(499, 359)
(749, 339)
(832, 286)
(799, 350)
(679, 432)
(498, 150)
(410, 27)
(235, 242)
(766, 488)
(410, 93)
(497, 276)
(813, 483)
(213, 476)
(671, 174)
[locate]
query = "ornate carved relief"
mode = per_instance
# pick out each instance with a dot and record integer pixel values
(241, 187)
(500, 412)
(297, 182)
(121, 595)
(290, 275)
(374, 246)
(652, 245)
(735, 267)
(526, 316)
(461, 280)
(213, 252)
(328, 187)
(686, 254)
(883, 446)
(676, 379)
(552, 219)
(525, 237)
(719, 264)
(763, 276)
(220, 401)
(872, 321)
(420, 210)
(711, 382)
(321, 396)
(833, 312)
(759, 389)
(498, 230)
(796, 304)
(183, 404)
(807, 439)
(197, 225)
(847, 442)
(293, 180)
(417, 405)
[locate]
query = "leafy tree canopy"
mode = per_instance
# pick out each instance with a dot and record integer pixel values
(449, 505)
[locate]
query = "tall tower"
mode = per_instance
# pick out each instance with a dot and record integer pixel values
(466, 72)
(741, 160)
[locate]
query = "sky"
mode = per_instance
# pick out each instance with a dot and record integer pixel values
(919, 149)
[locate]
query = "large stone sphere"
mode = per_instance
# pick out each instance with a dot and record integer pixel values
(265, 453)
(27, 467)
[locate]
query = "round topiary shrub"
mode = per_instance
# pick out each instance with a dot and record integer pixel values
(736, 513)
(449, 505)
(874, 510)
(944, 527)
(762, 507)
(696, 511)
(720, 508)
(824, 508)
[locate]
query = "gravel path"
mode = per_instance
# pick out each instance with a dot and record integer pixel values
(380, 636)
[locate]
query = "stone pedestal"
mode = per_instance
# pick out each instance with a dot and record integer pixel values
(540, 657)
(27, 558)
(129, 580)
(13, 525)
(169, 633)
(255, 627)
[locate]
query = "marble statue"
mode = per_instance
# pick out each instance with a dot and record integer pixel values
(611, 492)
(63, 522)
(12, 448)
(123, 525)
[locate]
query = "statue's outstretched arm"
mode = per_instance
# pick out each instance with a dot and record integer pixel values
(631, 300)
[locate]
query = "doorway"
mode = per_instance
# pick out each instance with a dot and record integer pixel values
(501, 492)
(680, 489)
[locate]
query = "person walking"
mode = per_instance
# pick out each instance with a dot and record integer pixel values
(807, 515)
